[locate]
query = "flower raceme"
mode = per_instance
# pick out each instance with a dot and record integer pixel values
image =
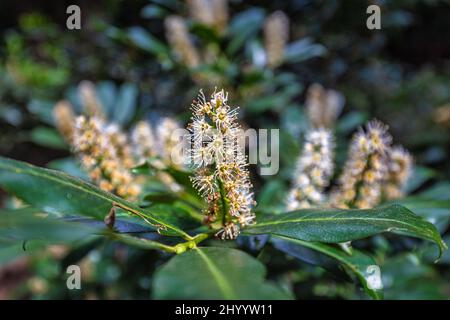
(213, 13)
(366, 170)
(374, 171)
(315, 164)
(158, 145)
(104, 152)
(108, 154)
(221, 174)
(276, 36)
(323, 106)
(181, 42)
(64, 119)
(399, 171)
(161, 142)
(314, 170)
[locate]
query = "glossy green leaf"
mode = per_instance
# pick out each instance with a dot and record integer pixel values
(335, 225)
(357, 263)
(19, 225)
(214, 273)
(435, 211)
(60, 193)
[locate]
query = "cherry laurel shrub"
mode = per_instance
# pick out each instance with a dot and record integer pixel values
(190, 208)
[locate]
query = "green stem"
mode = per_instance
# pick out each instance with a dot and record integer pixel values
(225, 205)
(182, 247)
(139, 242)
(150, 244)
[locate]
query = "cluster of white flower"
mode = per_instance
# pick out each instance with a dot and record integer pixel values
(374, 170)
(365, 172)
(314, 170)
(143, 141)
(221, 175)
(108, 153)
(103, 151)
(159, 142)
(400, 168)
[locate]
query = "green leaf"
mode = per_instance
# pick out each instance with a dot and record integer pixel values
(206, 33)
(177, 215)
(335, 225)
(350, 122)
(70, 166)
(125, 106)
(357, 263)
(107, 94)
(60, 193)
(214, 273)
(271, 196)
(146, 41)
(406, 277)
(42, 109)
(302, 50)
(435, 211)
(19, 225)
(244, 26)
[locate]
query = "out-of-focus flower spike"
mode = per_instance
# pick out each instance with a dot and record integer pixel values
(100, 150)
(181, 42)
(119, 141)
(400, 165)
(143, 141)
(201, 11)
(213, 13)
(323, 106)
(361, 182)
(314, 169)
(64, 119)
(88, 96)
(220, 14)
(168, 139)
(441, 115)
(276, 36)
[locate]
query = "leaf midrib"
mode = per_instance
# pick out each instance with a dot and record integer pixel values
(221, 281)
(79, 187)
(335, 219)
